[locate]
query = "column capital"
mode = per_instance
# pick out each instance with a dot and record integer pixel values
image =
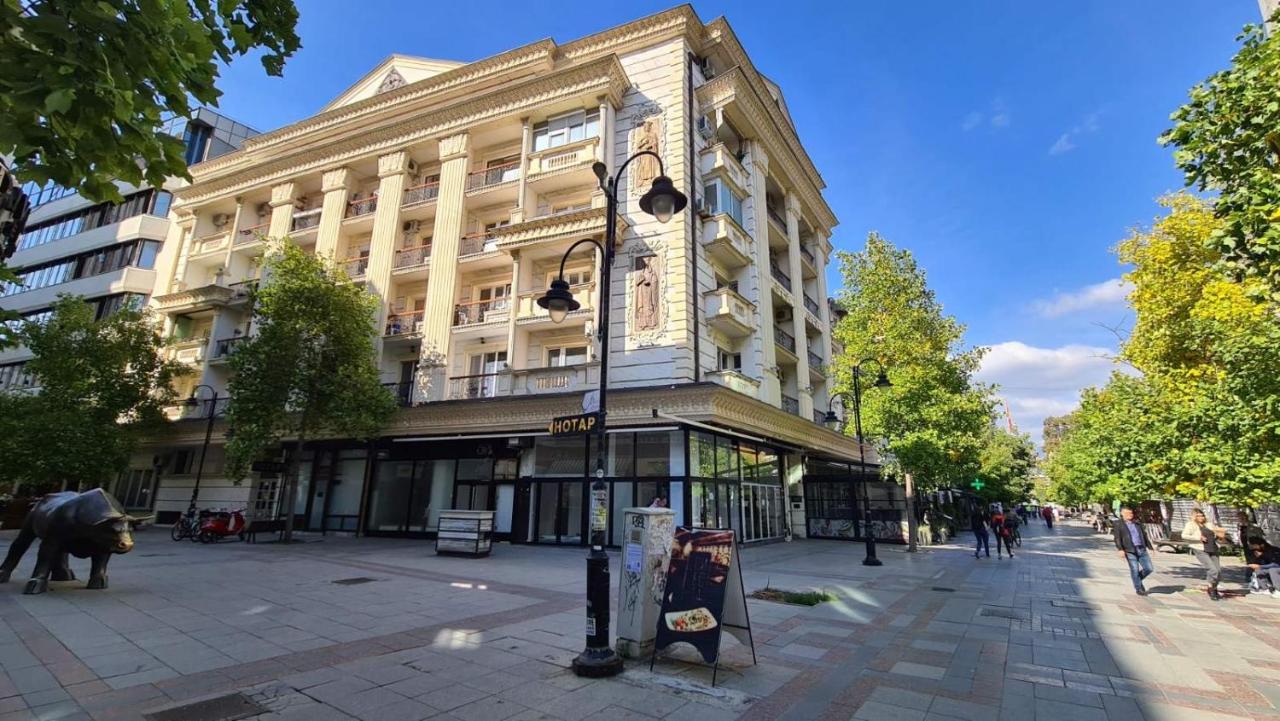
(454, 146)
(282, 194)
(793, 204)
(335, 179)
(393, 163)
(759, 157)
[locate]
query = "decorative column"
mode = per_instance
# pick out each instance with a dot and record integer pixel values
(770, 385)
(233, 234)
(822, 251)
(184, 230)
(336, 186)
(281, 210)
(442, 288)
(516, 356)
(520, 213)
(386, 229)
(804, 387)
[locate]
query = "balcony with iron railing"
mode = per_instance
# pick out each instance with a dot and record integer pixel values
(527, 308)
(485, 178)
(224, 348)
(403, 392)
(791, 405)
(812, 306)
(252, 234)
(776, 216)
(404, 323)
(780, 275)
(819, 417)
(480, 311)
(476, 243)
(305, 220)
(362, 206)
(419, 194)
(412, 257)
(815, 362)
(784, 339)
(355, 267)
(807, 254)
(481, 385)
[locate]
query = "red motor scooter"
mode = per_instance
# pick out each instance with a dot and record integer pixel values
(220, 524)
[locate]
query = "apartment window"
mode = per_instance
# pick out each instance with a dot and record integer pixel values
(103, 260)
(135, 488)
(14, 375)
(155, 202)
(580, 276)
(720, 198)
(147, 251)
(730, 361)
(183, 461)
(565, 129)
(566, 356)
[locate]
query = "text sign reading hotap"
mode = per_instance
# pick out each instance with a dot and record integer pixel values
(574, 425)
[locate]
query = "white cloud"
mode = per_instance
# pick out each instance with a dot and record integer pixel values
(1063, 145)
(997, 117)
(972, 120)
(1040, 382)
(1067, 141)
(1000, 120)
(1099, 295)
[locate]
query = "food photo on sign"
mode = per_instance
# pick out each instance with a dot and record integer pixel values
(694, 598)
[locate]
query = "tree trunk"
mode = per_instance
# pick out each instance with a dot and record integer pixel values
(912, 522)
(291, 484)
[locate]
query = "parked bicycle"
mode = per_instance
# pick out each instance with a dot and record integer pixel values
(187, 526)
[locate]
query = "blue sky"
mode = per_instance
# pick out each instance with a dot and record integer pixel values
(1008, 144)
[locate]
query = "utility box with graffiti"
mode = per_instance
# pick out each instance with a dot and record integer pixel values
(646, 553)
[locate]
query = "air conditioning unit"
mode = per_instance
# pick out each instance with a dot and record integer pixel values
(220, 220)
(700, 206)
(708, 70)
(705, 128)
(410, 226)
(782, 315)
(412, 166)
(263, 209)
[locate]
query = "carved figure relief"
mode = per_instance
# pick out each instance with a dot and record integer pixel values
(392, 81)
(645, 304)
(646, 136)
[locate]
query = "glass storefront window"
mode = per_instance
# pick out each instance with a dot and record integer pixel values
(392, 491)
(475, 469)
(653, 453)
(726, 459)
(622, 455)
(559, 456)
(702, 454)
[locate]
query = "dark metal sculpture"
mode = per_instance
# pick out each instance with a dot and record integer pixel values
(90, 525)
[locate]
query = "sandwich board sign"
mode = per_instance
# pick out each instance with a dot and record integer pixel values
(703, 596)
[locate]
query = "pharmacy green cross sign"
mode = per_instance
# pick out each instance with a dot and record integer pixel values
(978, 484)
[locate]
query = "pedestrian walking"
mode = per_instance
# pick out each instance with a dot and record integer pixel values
(1002, 533)
(978, 524)
(1135, 546)
(1202, 538)
(1047, 514)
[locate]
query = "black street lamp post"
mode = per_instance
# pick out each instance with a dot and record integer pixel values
(881, 381)
(661, 201)
(208, 434)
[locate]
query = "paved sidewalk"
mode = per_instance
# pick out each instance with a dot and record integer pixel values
(378, 629)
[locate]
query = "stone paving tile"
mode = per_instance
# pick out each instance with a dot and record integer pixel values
(876, 711)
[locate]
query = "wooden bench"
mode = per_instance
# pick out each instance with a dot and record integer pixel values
(263, 525)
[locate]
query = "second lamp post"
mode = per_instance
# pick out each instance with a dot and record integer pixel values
(881, 381)
(661, 201)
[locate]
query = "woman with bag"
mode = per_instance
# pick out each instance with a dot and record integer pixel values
(1003, 536)
(1202, 538)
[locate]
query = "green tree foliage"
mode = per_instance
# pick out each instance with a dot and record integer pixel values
(103, 385)
(1202, 419)
(86, 84)
(1227, 139)
(309, 369)
(933, 421)
(1006, 464)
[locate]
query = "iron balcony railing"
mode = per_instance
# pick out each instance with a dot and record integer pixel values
(252, 234)
(480, 311)
(482, 385)
(226, 347)
(496, 175)
(779, 275)
(815, 361)
(791, 405)
(812, 306)
(784, 339)
(356, 267)
(473, 243)
(424, 193)
(410, 257)
(819, 417)
(362, 206)
(404, 323)
(403, 392)
(808, 254)
(305, 221)
(776, 216)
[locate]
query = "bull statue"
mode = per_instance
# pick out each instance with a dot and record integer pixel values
(91, 525)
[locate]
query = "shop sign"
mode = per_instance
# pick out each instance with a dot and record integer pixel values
(269, 466)
(574, 425)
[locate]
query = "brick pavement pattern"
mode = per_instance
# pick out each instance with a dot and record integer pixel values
(1055, 633)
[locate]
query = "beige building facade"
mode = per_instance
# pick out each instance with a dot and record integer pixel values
(451, 192)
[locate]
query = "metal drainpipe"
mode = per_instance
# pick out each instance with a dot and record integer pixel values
(693, 219)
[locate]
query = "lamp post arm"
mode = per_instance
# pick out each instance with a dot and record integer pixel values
(612, 189)
(569, 252)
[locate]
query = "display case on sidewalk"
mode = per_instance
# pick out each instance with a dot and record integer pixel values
(465, 533)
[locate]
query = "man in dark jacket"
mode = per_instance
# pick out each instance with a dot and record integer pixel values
(1133, 544)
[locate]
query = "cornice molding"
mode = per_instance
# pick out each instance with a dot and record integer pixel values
(680, 20)
(590, 221)
(540, 53)
(603, 76)
(700, 402)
